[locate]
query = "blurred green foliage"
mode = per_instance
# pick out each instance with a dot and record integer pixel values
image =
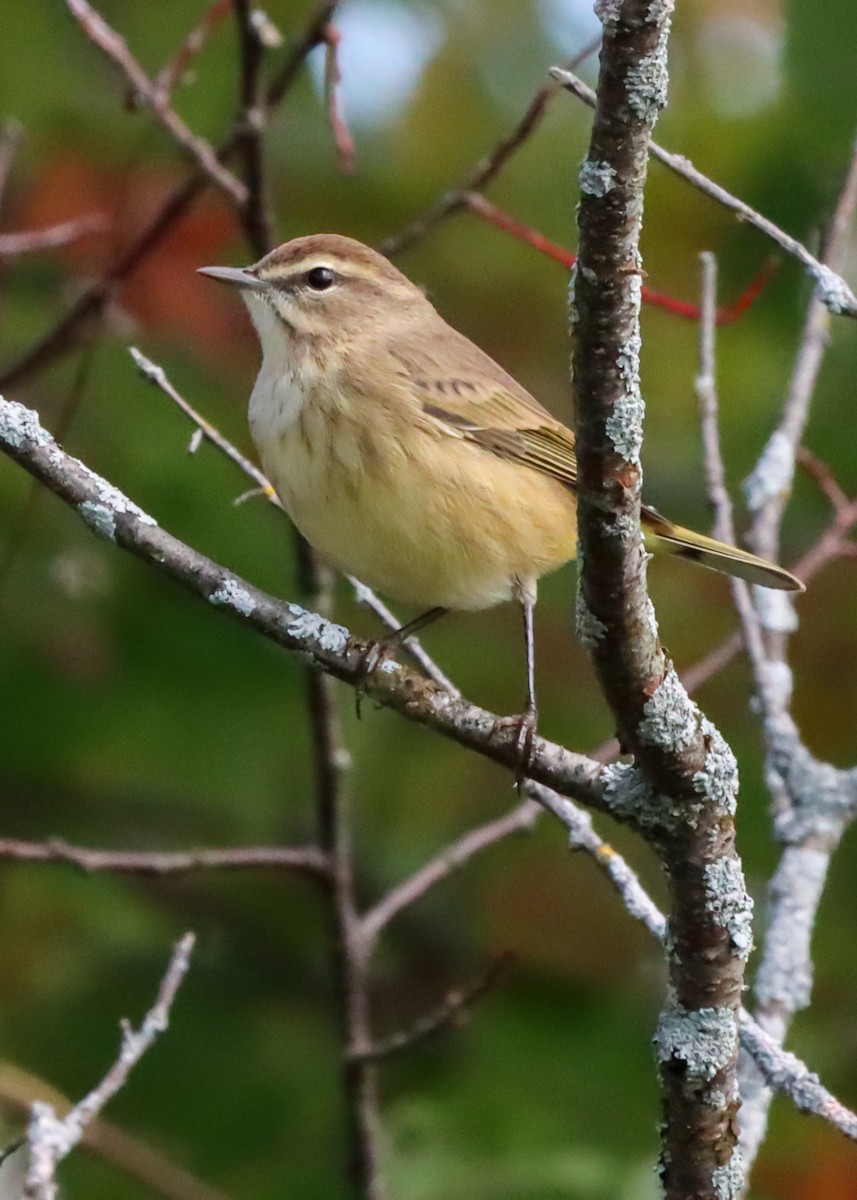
(134, 717)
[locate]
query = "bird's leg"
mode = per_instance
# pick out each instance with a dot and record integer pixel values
(525, 723)
(376, 652)
(528, 720)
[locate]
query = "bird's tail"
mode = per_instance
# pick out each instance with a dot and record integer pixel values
(663, 535)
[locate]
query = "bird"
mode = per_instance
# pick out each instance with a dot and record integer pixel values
(409, 458)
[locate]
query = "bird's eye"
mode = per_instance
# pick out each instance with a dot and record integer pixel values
(321, 278)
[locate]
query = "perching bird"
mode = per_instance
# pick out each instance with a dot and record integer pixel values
(404, 454)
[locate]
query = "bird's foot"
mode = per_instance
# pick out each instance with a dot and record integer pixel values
(525, 725)
(370, 660)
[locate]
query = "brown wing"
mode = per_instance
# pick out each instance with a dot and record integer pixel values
(464, 392)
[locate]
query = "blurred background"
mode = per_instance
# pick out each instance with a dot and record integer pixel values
(135, 717)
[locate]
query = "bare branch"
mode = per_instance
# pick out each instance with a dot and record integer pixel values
(344, 142)
(450, 859)
(452, 1012)
(116, 49)
(73, 325)
(251, 123)
(128, 1154)
(111, 515)
(168, 79)
(62, 234)
(305, 859)
(831, 288)
(51, 1139)
(483, 172)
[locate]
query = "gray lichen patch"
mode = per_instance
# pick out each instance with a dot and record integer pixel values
(776, 609)
(670, 718)
(230, 594)
(99, 518)
(718, 779)
(647, 82)
(624, 426)
(772, 475)
(310, 626)
(727, 900)
(596, 178)
(590, 630)
(704, 1039)
(728, 1180)
(833, 291)
(19, 424)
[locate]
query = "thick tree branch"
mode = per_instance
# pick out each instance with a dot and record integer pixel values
(688, 765)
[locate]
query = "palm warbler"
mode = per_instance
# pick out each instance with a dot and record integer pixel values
(408, 457)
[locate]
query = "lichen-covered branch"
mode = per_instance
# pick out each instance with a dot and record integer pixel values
(50, 1139)
(328, 647)
(689, 768)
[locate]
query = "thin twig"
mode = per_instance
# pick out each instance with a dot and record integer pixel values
(521, 819)
(116, 49)
(715, 472)
(168, 79)
(831, 288)
(51, 237)
(725, 315)
(342, 138)
(485, 170)
(452, 1012)
(69, 327)
(50, 1138)
(129, 1154)
(769, 486)
(304, 859)
(365, 596)
(251, 122)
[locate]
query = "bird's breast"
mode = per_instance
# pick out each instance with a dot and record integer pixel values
(424, 518)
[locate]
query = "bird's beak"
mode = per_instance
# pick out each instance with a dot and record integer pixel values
(237, 276)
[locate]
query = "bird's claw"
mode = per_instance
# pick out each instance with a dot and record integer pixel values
(370, 660)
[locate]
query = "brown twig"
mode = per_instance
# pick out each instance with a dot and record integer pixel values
(344, 142)
(304, 859)
(251, 123)
(485, 171)
(168, 79)
(452, 858)
(452, 1012)
(107, 1141)
(116, 49)
(51, 237)
(68, 328)
(831, 288)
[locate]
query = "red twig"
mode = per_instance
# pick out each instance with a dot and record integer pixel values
(345, 148)
(481, 207)
(171, 75)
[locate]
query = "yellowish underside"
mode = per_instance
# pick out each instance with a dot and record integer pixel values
(441, 522)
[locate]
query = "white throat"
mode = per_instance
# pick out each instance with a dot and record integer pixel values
(278, 395)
